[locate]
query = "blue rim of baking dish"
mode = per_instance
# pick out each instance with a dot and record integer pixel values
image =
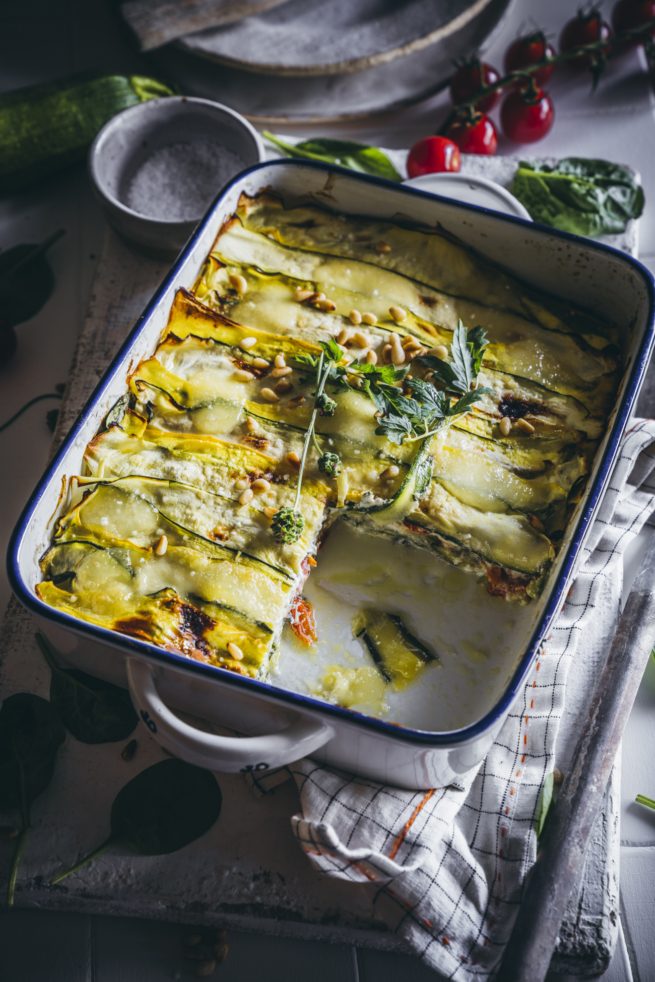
(298, 701)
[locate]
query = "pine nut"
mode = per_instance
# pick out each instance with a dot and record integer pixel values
(371, 357)
(397, 314)
(386, 354)
(281, 372)
(383, 247)
(252, 425)
(268, 394)
(162, 546)
(525, 425)
(240, 283)
(408, 341)
(293, 458)
(241, 484)
(241, 375)
(247, 343)
(439, 351)
(344, 335)
(284, 385)
(234, 650)
(261, 363)
(302, 295)
(390, 472)
(355, 317)
(246, 496)
(207, 968)
(270, 511)
(261, 485)
(326, 305)
(369, 318)
(505, 426)
(397, 355)
(280, 361)
(360, 339)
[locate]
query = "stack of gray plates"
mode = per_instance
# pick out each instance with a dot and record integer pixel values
(311, 61)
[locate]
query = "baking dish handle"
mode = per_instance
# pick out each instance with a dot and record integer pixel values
(210, 750)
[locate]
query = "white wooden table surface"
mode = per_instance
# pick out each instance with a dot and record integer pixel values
(41, 40)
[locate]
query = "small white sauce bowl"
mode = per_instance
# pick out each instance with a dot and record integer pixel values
(472, 191)
(130, 138)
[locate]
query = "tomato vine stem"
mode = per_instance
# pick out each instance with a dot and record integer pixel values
(607, 49)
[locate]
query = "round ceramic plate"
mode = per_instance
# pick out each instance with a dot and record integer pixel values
(315, 37)
(472, 191)
(334, 98)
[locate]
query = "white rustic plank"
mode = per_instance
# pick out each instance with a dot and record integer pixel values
(248, 871)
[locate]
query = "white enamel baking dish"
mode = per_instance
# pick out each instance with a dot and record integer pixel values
(279, 725)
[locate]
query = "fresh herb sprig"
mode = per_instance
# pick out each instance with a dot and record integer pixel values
(428, 405)
(287, 522)
(408, 409)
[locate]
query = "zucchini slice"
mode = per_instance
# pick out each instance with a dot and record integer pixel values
(398, 655)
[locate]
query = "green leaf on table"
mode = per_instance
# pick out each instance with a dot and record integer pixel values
(30, 736)
(584, 196)
(346, 153)
(93, 710)
(159, 811)
(26, 281)
(544, 802)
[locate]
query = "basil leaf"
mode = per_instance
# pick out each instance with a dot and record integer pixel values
(26, 281)
(30, 736)
(93, 710)
(159, 811)
(166, 807)
(355, 156)
(584, 196)
(544, 802)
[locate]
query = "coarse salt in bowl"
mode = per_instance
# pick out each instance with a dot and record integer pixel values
(158, 166)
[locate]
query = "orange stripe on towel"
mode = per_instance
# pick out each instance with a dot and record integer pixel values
(400, 838)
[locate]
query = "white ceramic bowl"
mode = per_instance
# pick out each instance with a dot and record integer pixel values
(472, 191)
(282, 724)
(132, 137)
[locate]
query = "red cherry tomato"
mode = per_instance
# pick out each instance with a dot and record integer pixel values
(476, 135)
(433, 155)
(527, 115)
(587, 27)
(530, 50)
(469, 78)
(628, 14)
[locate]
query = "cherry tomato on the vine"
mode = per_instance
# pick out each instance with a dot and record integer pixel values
(527, 115)
(433, 155)
(476, 134)
(530, 50)
(469, 78)
(628, 14)
(587, 27)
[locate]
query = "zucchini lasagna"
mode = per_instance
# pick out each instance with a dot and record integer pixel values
(326, 368)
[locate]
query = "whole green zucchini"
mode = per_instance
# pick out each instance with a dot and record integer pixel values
(45, 127)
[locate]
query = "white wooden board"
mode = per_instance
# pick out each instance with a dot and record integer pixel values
(247, 871)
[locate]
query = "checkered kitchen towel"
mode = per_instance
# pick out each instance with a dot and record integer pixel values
(450, 865)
